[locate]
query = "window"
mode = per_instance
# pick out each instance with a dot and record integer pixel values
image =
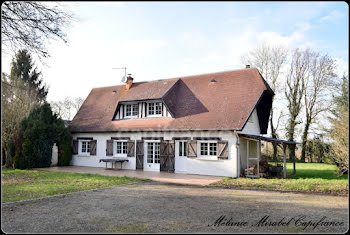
(208, 149)
(154, 109)
(84, 147)
(153, 152)
(120, 148)
(131, 110)
(182, 149)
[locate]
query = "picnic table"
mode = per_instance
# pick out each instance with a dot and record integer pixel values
(114, 161)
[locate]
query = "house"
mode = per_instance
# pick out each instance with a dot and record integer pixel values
(195, 124)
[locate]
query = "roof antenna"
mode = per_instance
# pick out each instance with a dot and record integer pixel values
(123, 78)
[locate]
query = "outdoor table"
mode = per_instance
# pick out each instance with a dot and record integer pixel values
(114, 161)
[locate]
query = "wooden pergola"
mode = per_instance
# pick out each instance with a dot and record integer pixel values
(281, 143)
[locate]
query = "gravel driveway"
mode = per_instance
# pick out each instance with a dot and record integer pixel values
(156, 207)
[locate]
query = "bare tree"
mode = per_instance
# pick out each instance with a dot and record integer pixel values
(27, 25)
(298, 73)
(67, 107)
(77, 102)
(269, 60)
(317, 91)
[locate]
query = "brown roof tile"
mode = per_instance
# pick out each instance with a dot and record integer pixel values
(195, 101)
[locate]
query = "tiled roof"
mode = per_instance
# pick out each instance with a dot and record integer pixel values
(195, 101)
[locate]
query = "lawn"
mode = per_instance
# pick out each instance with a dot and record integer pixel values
(310, 177)
(27, 184)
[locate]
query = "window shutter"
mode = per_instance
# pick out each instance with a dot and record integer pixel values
(139, 154)
(222, 149)
(93, 146)
(192, 149)
(109, 149)
(75, 146)
(131, 148)
(164, 148)
(172, 148)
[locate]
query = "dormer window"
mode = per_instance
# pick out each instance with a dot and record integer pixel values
(131, 110)
(154, 109)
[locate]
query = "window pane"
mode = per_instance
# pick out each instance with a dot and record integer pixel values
(88, 146)
(128, 110)
(119, 147)
(125, 147)
(204, 149)
(83, 146)
(157, 153)
(150, 108)
(149, 152)
(158, 108)
(135, 109)
(185, 149)
(180, 148)
(212, 149)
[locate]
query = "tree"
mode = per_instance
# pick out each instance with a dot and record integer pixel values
(22, 68)
(339, 132)
(38, 133)
(17, 100)
(317, 88)
(299, 70)
(67, 107)
(29, 24)
(269, 60)
(21, 91)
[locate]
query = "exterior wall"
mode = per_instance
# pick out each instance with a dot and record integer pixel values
(253, 127)
(190, 165)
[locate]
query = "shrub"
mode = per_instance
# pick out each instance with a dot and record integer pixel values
(39, 131)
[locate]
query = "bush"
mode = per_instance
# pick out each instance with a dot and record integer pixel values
(39, 131)
(65, 150)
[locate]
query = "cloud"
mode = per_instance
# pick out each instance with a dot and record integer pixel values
(342, 66)
(333, 17)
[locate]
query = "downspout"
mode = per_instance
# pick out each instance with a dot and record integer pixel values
(238, 154)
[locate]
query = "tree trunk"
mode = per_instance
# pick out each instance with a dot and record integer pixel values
(291, 130)
(304, 142)
(273, 135)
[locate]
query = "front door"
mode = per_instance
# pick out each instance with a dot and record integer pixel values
(152, 159)
(180, 156)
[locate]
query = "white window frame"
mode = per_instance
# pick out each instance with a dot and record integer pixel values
(81, 147)
(209, 156)
(154, 115)
(132, 110)
(181, 145)
(153, 153)
(124, 142)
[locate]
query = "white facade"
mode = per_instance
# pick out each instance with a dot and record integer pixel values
(230, 167)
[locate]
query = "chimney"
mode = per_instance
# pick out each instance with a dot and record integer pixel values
(129, 81)
(247, 66)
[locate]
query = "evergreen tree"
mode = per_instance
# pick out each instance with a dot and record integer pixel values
(36, 138)
(22, 68)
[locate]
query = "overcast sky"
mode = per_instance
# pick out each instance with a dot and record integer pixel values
(173, 39)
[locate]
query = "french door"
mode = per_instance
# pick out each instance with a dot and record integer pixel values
(152, 160)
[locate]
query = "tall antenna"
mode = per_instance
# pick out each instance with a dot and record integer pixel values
(124, 78)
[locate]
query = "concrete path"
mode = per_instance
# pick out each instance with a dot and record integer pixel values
(156, 207)
(164, 177)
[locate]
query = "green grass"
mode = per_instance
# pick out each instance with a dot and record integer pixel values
(310, 177)
(27, 184)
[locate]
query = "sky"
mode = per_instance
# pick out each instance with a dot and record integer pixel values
(158, 40)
